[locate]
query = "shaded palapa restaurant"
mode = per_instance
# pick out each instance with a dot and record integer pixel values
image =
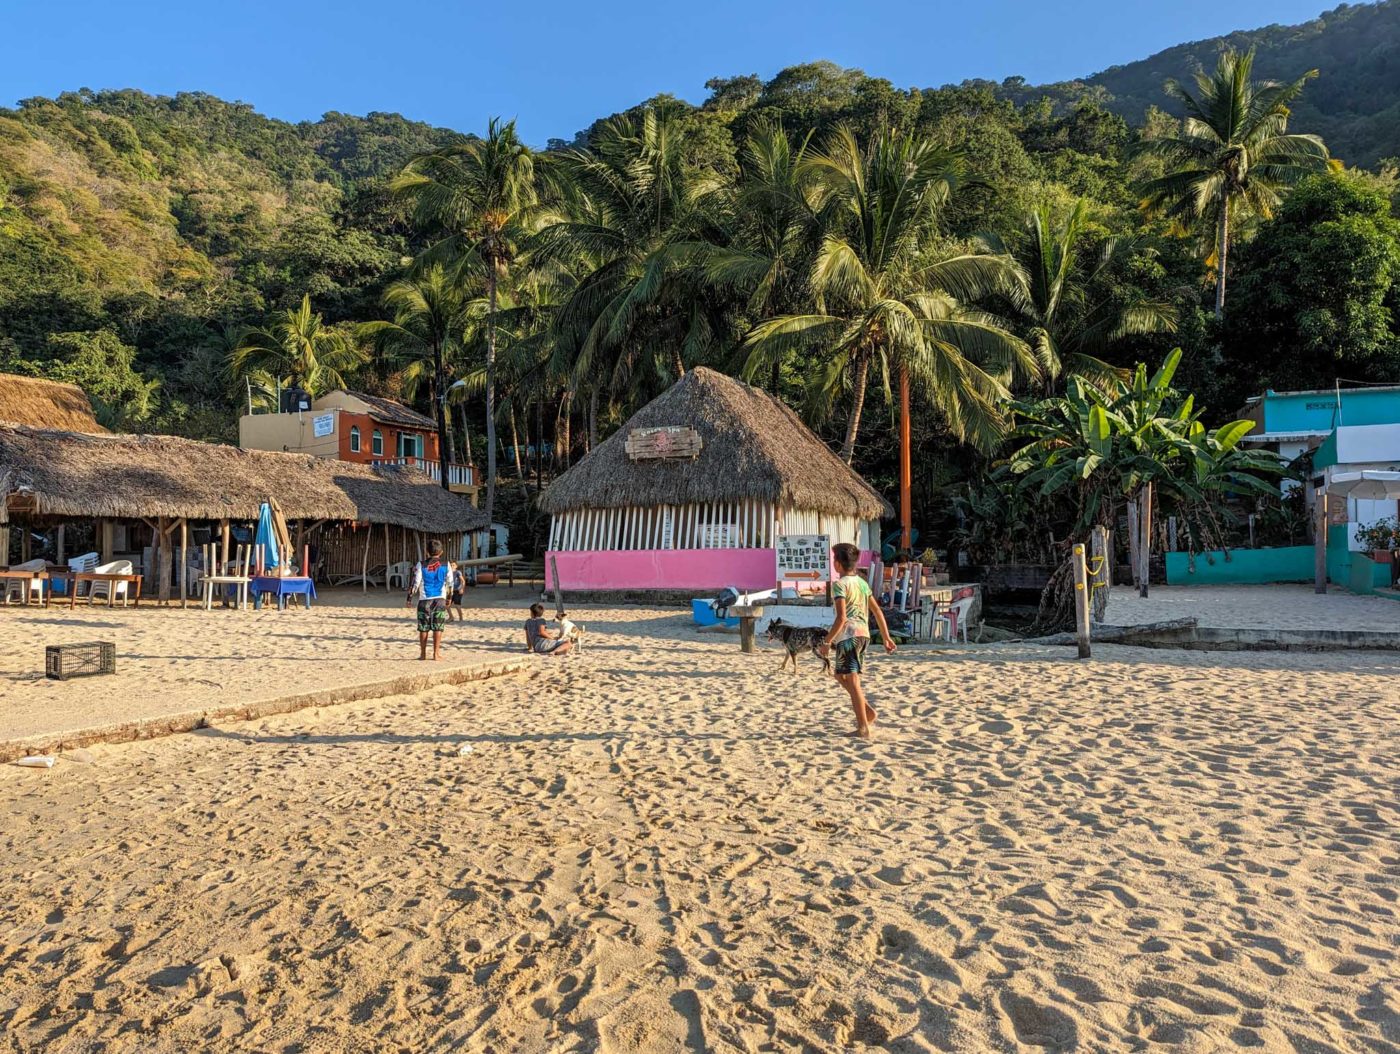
(147, 498)
(694, 490)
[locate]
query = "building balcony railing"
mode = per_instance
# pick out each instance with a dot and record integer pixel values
(457, 475)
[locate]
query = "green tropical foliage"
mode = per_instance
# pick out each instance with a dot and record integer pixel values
(296, 350)
(1233, 157)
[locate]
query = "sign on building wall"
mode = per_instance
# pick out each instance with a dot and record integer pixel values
(322, 425)
(672, 443)
(804, 557)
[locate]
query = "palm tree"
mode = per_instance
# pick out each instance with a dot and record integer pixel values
(426, 329)
(631, 212)
(1070, 327)
(480, 197)
(888, 292)
(770, 231)
(1234, 156)
(296, 350)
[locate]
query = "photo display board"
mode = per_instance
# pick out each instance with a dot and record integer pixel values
(804, 557)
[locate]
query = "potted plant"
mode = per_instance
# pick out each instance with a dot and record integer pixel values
(1380, 539)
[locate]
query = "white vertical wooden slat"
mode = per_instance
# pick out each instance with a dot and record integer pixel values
(629, 521)
(613, 517)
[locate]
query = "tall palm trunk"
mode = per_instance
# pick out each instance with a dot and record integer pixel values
(565, 444)
(491, 277)
(848, 448)
(592, 419)
(440, 403)
(515, 444)
(539, 442)
(1222, 250)
(678, 364)
(906, 511)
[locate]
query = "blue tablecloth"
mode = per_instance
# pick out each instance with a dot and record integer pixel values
(281, 588)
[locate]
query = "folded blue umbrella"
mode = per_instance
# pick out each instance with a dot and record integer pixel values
(267, 538)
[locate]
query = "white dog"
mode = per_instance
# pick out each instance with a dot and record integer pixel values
(570, 630)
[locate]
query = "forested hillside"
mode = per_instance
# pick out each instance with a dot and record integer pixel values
(1354, 104)
(140, 237)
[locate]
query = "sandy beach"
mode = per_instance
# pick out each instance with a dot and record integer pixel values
(664, 844)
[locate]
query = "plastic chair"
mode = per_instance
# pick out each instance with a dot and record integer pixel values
(110, 590)
(400, 571)
(952, 622)
(16, 586)
(81, 564)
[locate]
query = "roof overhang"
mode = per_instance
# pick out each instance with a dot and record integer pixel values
(1283, 437)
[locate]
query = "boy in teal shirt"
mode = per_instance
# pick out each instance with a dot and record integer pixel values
(850, 633)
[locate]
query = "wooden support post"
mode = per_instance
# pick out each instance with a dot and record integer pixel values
(163, 561)
(1101, 552)
(1134, 541)
(364, 565)
(1081, 602)
(58, 545)
(748, 615)
(184, 563)
(558, 590)
(387, 558)
(106, 540)
(224, 534)
(1145, 546)
(24, 547)
(1320, 540)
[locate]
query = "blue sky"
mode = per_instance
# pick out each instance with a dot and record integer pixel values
(558, 65)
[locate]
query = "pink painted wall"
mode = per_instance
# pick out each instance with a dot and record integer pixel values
(666, 568)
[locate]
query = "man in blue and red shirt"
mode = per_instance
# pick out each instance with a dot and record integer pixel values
(432, 585)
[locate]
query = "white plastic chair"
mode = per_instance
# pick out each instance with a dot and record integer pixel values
(111, 590)
(949, 624)
(400, 571)
(81, 564)
(16, 586)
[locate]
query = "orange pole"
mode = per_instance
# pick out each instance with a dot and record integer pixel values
(906, 512)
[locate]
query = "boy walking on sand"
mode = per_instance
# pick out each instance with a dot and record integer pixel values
(850, 633)
(432, 586)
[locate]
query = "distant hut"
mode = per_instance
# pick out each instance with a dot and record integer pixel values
(692, 492)
(126, 494)
(45, 404)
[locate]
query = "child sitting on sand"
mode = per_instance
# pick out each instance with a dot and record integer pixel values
(540, 639)
(850, 633)
(431, 586)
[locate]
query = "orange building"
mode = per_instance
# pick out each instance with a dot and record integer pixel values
(353, 426)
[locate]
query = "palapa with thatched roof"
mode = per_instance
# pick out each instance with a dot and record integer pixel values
(46, 404)
(167, 485)
(759, 473)
(69, 474)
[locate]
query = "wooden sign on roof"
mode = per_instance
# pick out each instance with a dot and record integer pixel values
(672, 443)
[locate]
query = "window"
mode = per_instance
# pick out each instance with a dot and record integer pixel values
(355, 439)
(376, 443)
(410, 445)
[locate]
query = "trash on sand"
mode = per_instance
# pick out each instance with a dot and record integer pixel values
(464, 750)
(36, 761)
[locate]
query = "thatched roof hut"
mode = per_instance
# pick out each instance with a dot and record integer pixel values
(696, 490)
(45, 404)
(74, 475)
(754, 449)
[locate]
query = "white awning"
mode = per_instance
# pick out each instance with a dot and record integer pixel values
(1372, 483)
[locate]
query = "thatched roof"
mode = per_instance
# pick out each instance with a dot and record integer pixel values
(121, 476)
(755, 448)
(388, 412)
(45, 404)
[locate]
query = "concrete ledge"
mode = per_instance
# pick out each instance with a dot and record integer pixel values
(170, 724)
(1204, 638)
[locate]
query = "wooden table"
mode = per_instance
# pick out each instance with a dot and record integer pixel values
(25, 577)
(74, 577)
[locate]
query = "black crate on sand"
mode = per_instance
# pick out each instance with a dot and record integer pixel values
(62, 661)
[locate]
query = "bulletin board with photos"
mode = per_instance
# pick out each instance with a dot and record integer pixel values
(804, 558)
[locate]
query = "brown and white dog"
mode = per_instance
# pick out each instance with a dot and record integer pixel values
(570, 630)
